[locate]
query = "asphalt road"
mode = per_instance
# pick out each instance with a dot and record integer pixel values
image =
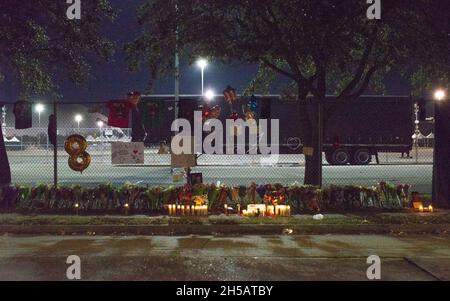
(319, 257)
(31, 167)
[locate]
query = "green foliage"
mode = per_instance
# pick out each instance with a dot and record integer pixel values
(322, 46)
(427, 78)
(260, 84)
(39, 45)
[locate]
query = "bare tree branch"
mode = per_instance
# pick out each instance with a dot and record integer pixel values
(362, 65)
(363, 86)
(278, 69)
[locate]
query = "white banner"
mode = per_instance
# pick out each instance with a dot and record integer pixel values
(127, 152)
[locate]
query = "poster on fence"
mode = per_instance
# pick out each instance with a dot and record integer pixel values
(184, 160)
(127, 153)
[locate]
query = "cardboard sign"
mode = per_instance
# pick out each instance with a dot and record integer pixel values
(184, 160)
(127, 153)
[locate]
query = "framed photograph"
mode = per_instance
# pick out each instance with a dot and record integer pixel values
(195, 178)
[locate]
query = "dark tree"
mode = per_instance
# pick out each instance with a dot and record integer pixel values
(40, 46)
(321, 46)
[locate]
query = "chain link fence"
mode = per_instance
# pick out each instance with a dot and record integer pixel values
(31, 157)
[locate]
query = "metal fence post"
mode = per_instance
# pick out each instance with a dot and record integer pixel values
(55, 148)
(320, 138)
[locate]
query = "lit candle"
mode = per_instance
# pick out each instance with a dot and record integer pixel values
(421, 208)
(178, 209)
(288, 210)
(170, 209)
(271, 210)
(226, 209)
(430, 208)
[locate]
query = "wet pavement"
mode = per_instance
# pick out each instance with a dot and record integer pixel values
(270, 257)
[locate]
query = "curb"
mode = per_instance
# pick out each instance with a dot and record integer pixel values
(217, 229)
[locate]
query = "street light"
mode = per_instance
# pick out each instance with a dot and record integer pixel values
(202, 63)
(439, 94)
(209, 94)
(100, 125)
(78, 119)
(39, 109)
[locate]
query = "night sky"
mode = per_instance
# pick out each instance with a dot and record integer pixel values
(112, 80)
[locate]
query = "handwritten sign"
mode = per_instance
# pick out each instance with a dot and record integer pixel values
(127, 153)
(184, 160)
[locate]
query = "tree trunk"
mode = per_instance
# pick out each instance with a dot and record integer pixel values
(312, 133)
(441, 162)
(5, 172)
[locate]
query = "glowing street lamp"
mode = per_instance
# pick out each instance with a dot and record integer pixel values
(39, 109)
(209, 94)
(78, 119)
(439, 94)
(202, 63)
(100, 125)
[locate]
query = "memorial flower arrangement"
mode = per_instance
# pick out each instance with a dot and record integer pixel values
(108, 198)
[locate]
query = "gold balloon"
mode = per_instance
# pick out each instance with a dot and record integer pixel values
(75, 146)
(80, 162)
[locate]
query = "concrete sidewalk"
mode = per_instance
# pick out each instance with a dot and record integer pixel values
(405, 222)
(271, 257)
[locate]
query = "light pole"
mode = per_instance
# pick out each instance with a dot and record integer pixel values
(78, 119)
(39, 109)
(416, 131)
(4, 120)
(100, 127)
(202, 63)
(100, 124)
(441, 160)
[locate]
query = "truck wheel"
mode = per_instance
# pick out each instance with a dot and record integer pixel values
(362, 156)
(340, 156)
